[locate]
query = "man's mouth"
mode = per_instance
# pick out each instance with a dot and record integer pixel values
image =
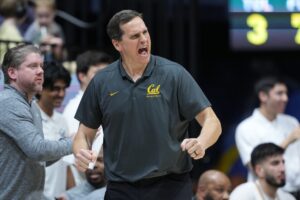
(58, 102)
(39, 80)
(281, 177)
(143, 51)
(94, 176)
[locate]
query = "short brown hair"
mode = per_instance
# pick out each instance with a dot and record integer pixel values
(113, 27)
(15, 56)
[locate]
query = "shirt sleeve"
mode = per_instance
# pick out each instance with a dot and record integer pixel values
(69, 113)
(191, 98)
(246, 140)
(89, 112)
(17, 122)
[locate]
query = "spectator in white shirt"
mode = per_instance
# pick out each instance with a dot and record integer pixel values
(87, 65)
(268, 164)
(269, 124)
(56, 80)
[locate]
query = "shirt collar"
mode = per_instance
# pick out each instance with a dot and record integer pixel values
(259, 115)
(148, 71)
(44, 116)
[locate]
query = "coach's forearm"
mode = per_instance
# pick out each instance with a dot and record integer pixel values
(83, 138)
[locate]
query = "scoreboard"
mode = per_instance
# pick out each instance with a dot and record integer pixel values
(264, 24)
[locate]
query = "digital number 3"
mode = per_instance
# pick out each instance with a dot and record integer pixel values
(295, 22)
(259, 34)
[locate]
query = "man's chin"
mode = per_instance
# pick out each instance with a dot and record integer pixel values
(38, 89)
(57, 104)
(97, 184)
(278, 184)
(281, 183)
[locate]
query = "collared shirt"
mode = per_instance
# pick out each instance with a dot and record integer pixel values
(55, 128)
(258, 129)
(69, 113)
(145, 121)
(253, 191)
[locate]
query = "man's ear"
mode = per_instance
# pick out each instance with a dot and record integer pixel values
(116, 44)
(81, 77)
(12, 73)
(262, 96)
(259, 170)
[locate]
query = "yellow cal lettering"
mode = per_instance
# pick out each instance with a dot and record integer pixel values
(152, 89)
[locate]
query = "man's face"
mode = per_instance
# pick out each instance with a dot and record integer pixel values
(93, 70)
(274, 171)
(276, 100)
(54, 96)
(218, 190)
(44, 15)
(29, 77)
(135, 44)
(86, 78)
(96, 176)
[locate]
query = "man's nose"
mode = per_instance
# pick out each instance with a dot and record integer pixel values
(285, 97)
(282, 167)
(40, 70)
(143, 38)
(62, 92)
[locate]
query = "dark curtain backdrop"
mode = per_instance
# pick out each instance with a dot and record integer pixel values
(173, 25)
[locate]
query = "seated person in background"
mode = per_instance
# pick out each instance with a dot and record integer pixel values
(268, 123)
(28, 18)
(12, 11)
(213, 185)
(56, 80)
(268, 165)
(88, 64)
(92, 189)
(45, 31)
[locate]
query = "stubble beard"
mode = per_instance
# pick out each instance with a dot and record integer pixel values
(272, 181)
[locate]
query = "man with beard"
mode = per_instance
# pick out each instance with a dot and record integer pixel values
(91, 189)
(268, 165)
(213, 185)
(23, 149)
(268, 123)
(56, 80)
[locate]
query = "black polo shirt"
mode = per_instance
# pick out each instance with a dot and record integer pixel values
(145, 121)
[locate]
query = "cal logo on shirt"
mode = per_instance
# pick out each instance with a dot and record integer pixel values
(153, 90)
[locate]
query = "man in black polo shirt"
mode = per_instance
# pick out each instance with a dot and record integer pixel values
(144, 103)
